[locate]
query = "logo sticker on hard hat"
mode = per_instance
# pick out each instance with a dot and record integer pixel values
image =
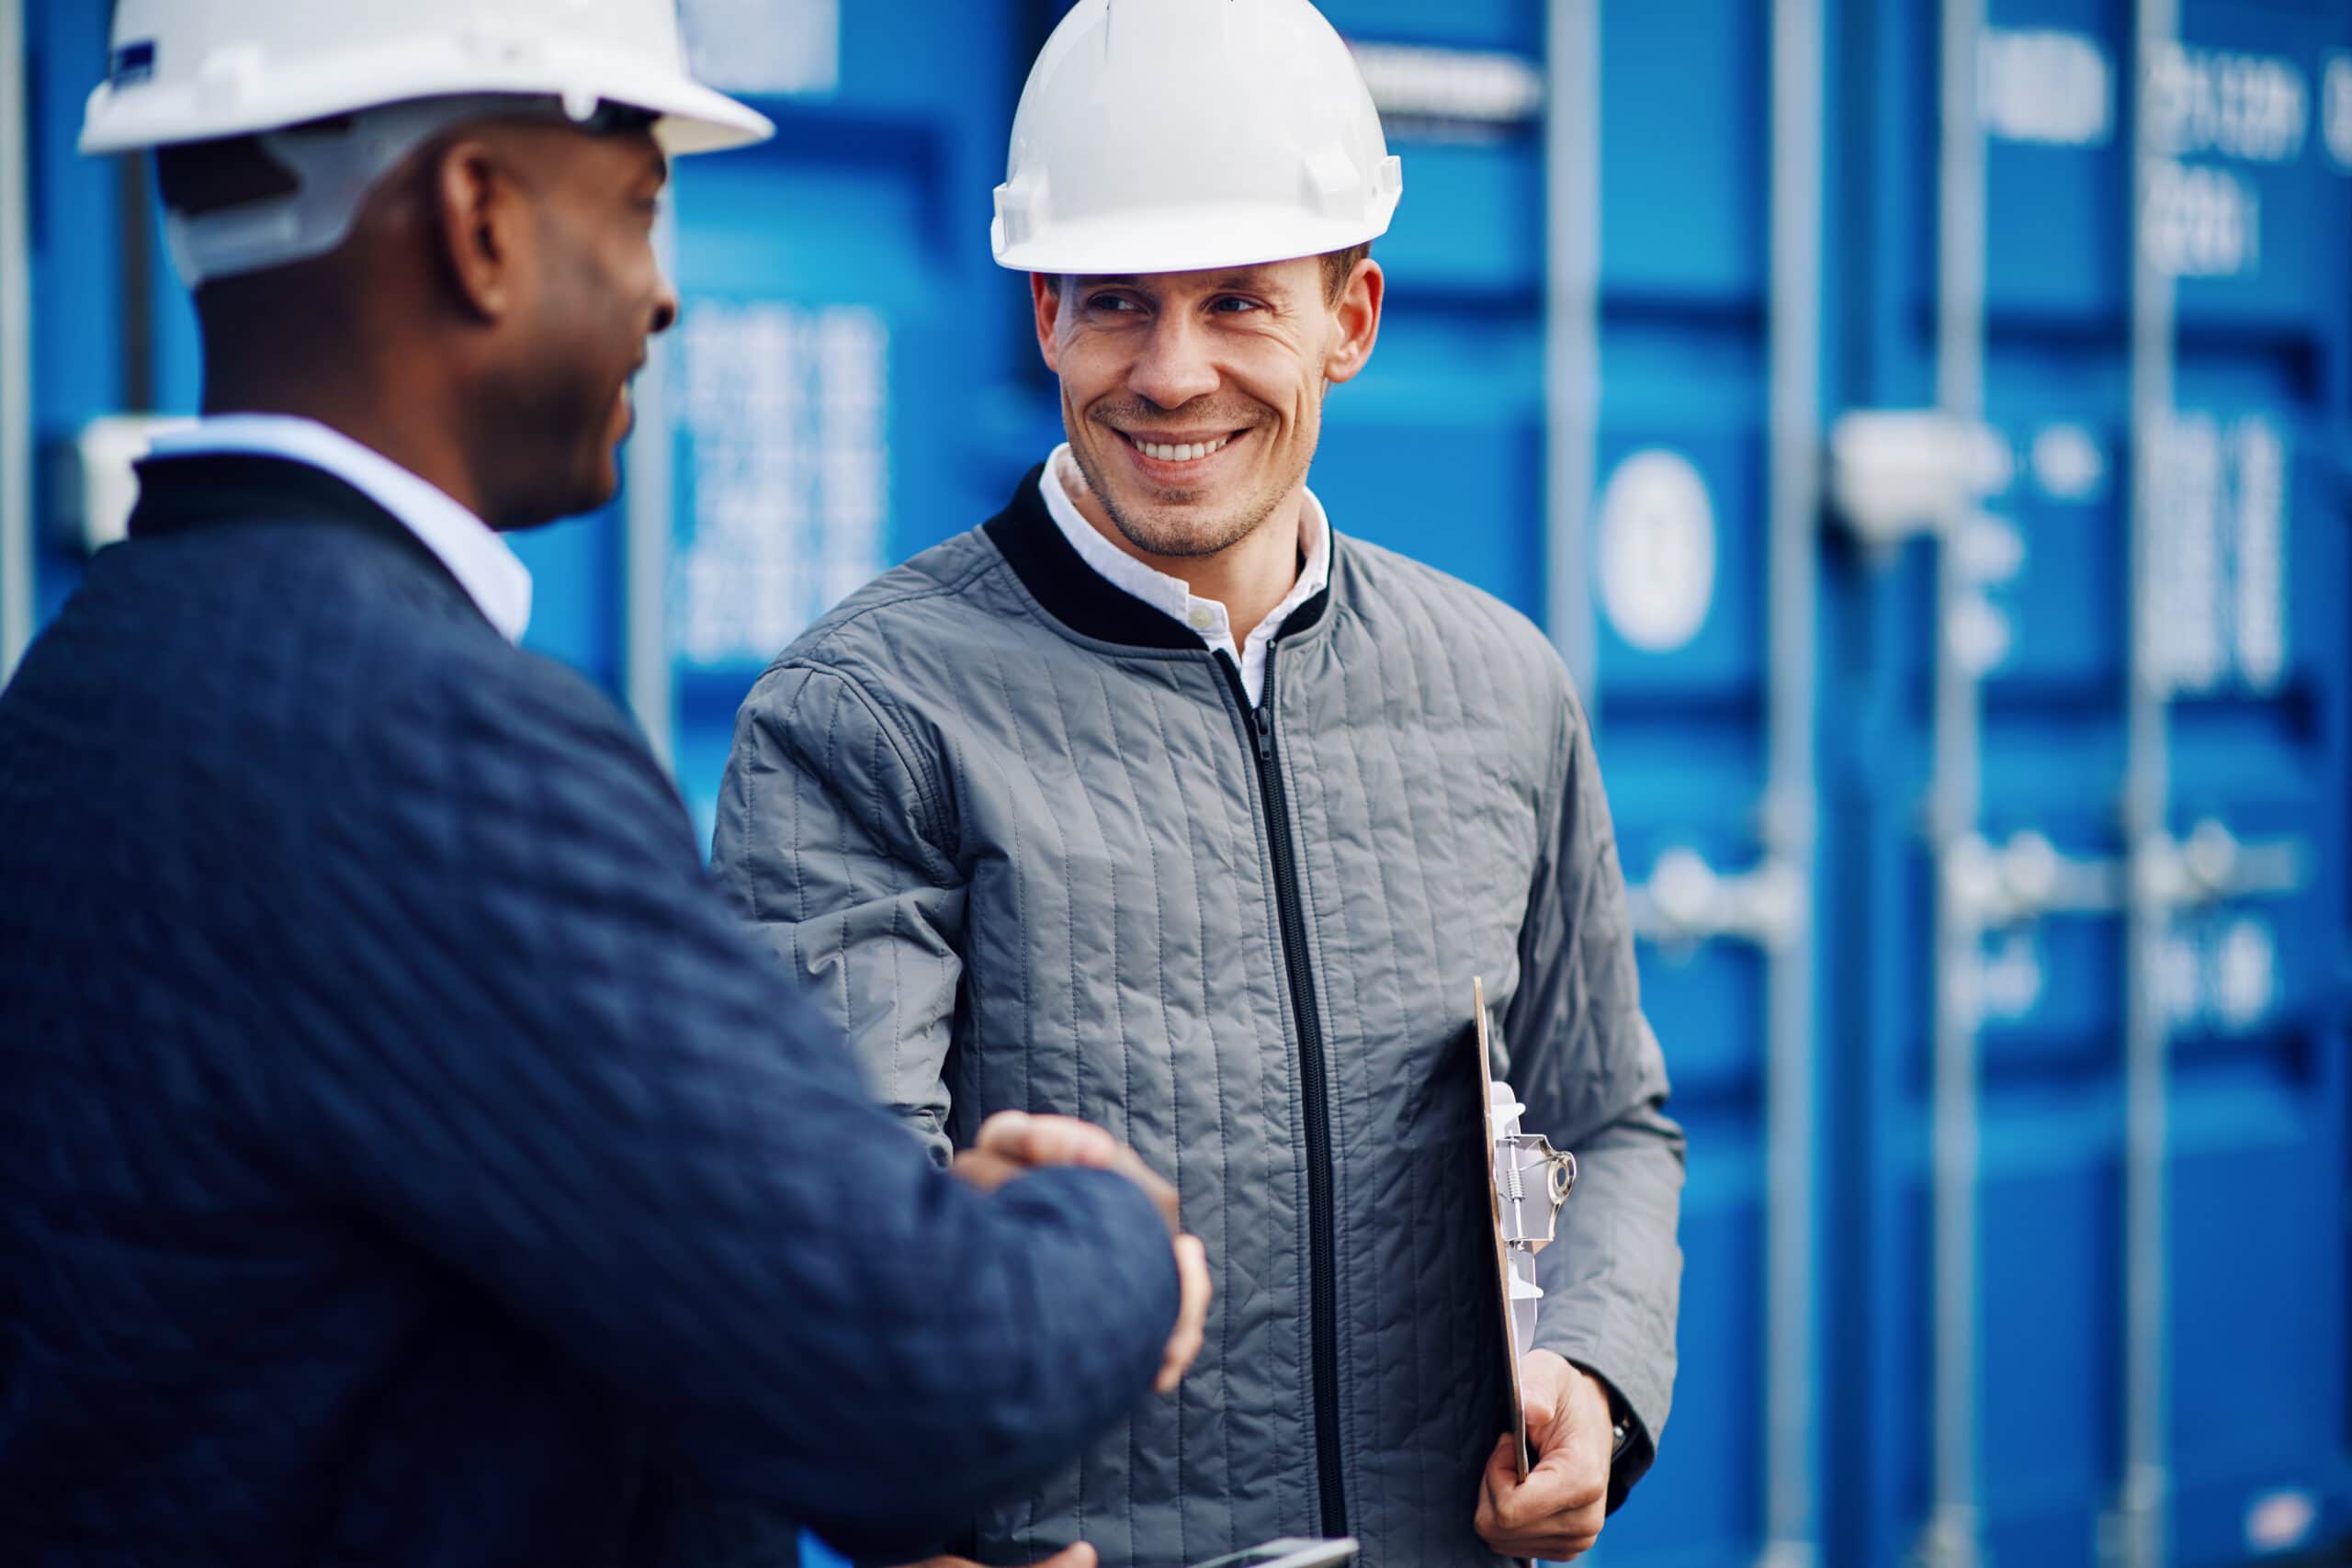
(1657, 550)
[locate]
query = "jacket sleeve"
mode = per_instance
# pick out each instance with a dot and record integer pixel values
(534, 1043)
(827, 846)
(1586, 1062)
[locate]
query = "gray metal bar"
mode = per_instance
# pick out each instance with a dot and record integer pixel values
(1953, 1537)
(16, 344)
(2137, 1530)
(1571, 328)
(1791, 805)
(137, 283)
(647, 677)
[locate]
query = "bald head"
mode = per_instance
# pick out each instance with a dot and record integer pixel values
(481, 320)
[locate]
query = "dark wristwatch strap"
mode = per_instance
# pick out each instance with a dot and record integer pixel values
(1620, 1423)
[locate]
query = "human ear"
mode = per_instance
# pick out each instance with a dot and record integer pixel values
(1357, 315)
(1046, 298)
(482, 219)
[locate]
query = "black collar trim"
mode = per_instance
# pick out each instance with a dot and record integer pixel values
(180, 493)
(1077, 595)
(183, 494)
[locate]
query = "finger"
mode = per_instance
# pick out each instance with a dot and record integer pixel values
(1046, 1140)
(1078, 1556)
(1004, 1134)
(1192, 1312)
(1548, 1385)
(1501, 1474)
(985, 1170)
(1556, 1540)
(1542, 1414)
(1065, 1140)
(1549, 1495)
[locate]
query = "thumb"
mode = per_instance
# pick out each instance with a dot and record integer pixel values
(1078, 1556)
(1540, 1400)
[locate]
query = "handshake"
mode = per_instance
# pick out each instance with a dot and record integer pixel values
(1013, 1143)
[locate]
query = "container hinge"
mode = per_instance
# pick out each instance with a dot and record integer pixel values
(1687, 901)
(1897, 474)
(2022, 880)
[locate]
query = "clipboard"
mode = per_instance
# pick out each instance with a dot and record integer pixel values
(1527, 1182)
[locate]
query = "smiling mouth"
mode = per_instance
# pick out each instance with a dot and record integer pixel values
(1181, 451)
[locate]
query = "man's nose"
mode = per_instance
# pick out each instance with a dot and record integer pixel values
(1175, 366)
(665, 305)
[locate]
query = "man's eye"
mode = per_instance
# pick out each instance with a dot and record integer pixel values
(1117, 303)
(1232, 305)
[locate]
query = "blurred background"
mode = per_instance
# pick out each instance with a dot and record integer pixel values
(1926, 430)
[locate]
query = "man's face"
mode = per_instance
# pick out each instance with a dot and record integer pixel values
(1194, 400)
(597, 294)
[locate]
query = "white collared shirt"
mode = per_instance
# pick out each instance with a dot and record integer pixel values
(1173, 596)
(489, 571)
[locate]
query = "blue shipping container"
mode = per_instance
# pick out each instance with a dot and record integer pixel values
(1900, 856)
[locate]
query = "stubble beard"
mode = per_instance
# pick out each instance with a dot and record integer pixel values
(1207, 537)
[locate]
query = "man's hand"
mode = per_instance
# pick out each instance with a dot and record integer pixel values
(1078, 1556)
(1013, 1142)
(1558, 1511)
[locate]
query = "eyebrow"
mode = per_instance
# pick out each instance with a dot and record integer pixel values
(1251, 281)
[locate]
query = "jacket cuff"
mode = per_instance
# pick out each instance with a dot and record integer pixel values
(1621, 1376)
(1639, 1450)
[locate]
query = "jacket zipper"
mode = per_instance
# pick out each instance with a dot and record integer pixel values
(1322, 1244)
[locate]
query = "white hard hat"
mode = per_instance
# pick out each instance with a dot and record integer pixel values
(196, 70)
(1175, 135)
(385, 77)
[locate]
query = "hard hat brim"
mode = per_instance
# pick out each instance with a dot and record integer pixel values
(1190, 240)
(695, 118)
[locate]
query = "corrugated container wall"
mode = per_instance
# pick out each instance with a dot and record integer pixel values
(1979, 752)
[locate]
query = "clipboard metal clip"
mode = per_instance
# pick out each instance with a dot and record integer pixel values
(1533, 1180)
(1528, 1180)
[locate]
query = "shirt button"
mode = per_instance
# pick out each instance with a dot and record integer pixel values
(1203, 617)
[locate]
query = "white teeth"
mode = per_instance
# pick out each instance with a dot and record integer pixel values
(1180, 453)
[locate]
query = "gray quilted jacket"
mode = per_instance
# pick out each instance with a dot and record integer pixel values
(1030, 846)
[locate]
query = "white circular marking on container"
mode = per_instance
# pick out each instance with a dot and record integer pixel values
(1657, 550)
(2068, 463)
(2280, 1521)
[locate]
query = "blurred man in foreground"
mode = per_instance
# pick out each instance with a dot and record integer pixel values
(403, 1157)
(1157, 800)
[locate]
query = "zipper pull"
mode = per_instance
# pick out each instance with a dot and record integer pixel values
(1264, 722)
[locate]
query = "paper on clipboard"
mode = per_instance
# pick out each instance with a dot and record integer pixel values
(1527, 1181)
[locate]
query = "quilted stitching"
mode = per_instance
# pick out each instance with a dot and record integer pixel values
(405, 1156)
(1122, 945)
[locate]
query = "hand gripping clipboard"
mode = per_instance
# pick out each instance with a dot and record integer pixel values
(1527, 1181)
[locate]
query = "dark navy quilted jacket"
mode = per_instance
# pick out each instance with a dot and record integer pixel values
(404, 1158)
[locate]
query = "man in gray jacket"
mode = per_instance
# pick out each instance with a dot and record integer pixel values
(1157, 802)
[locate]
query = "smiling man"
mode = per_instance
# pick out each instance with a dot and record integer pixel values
(1160, 801)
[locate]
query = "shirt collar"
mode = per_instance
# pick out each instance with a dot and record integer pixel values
(1171, 595)
(484, 565)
